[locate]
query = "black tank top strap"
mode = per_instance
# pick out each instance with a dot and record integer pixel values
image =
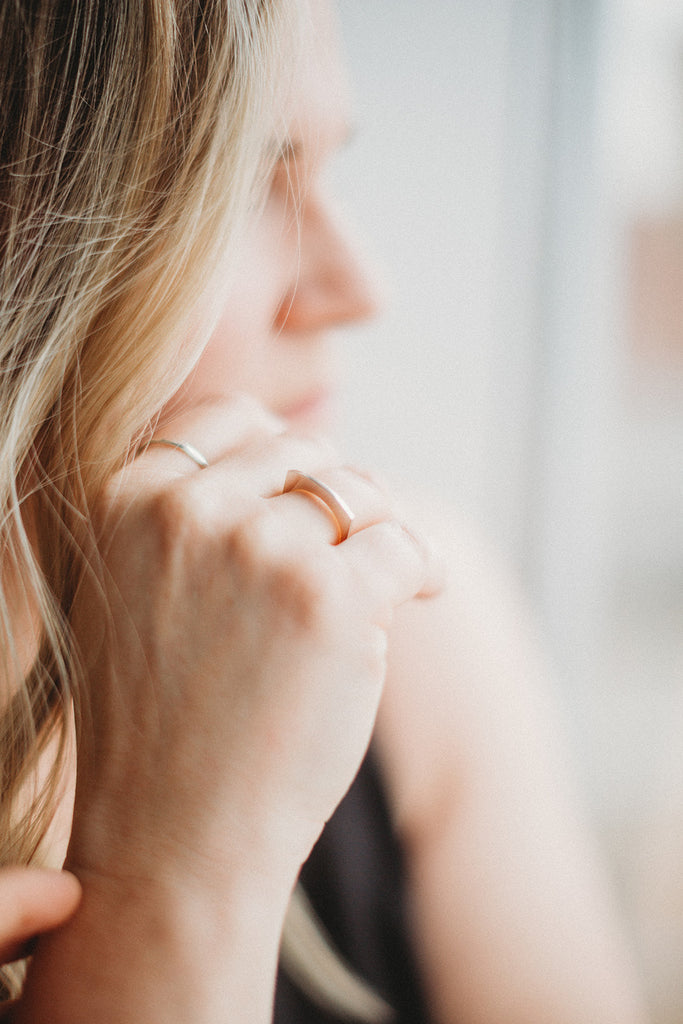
(355, 881)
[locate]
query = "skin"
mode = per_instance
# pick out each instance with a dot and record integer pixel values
(226, 728)
(301, 272)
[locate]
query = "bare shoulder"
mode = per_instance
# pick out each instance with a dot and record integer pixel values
(511, 908)
(467, 684)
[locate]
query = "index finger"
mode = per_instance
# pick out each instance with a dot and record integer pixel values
(212, 429)
(33, 900)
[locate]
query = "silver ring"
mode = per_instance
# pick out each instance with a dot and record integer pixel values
(333, 502)
(185, 447)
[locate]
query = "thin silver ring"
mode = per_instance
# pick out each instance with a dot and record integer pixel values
(333, 502)
(185, 447)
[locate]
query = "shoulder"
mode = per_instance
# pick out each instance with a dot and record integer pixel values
(467, 681)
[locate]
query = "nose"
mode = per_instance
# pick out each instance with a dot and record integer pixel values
(334, 282)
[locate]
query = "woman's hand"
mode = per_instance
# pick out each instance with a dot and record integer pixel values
(234, 658)
(235, 655)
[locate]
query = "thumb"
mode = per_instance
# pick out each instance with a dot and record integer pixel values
(32, 901)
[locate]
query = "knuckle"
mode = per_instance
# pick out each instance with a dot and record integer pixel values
(295, 586)
(245, 545)
(401, 550)
(398, 534)
(371, 491)
(174, 516)
(109, 505)
(167, 511)
(304, 597)
(250, 548)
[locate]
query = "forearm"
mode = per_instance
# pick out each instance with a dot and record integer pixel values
(164, 951)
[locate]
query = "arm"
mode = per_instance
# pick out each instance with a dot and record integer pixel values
(218, 640)
(512, 919)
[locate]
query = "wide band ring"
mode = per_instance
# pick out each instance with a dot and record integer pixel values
(183, 446)
(333, 502)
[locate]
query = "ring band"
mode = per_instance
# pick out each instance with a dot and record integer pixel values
(336, 506)
(185, 447)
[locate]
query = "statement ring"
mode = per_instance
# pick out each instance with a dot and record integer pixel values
(335, 505)
(183, 446)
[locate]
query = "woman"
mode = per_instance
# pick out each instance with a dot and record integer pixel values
(186, 606)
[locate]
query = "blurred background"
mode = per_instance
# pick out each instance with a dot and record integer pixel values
(518, 173)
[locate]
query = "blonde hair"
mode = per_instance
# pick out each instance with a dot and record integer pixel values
(131, 135)
(131, 139)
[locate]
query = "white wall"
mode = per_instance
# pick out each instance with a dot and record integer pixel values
(504, 149)
(471, 176)
(425, 180)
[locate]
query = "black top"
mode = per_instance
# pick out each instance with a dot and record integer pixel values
(354, 879)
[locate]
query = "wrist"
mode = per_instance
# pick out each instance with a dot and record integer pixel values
(210, 842)
(160, 948)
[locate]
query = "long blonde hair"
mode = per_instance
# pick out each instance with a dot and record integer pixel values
(131, 139)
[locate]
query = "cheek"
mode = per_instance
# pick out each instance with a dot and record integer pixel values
(228, 362)
(238, 354)
(238, 349)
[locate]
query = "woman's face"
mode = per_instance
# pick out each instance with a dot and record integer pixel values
(299, 274)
